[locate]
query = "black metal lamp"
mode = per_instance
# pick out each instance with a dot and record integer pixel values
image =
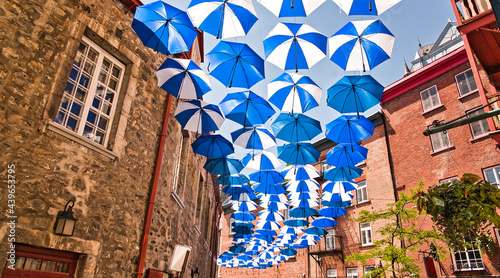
(195, 273)
(65, 222)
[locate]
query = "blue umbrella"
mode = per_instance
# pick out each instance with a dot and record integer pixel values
(236, 249)
(267, 177)
(223, 18)
(286, 230)
(288, 252)
(315, 231)
(244, 257)
(183, 78)
(296, 222)
(242, 230)
(223, 166)
(302, 186)
(346, 155)
(164, 28)
(270, 215)
(254, 138)
(197, 115)
(324, 222)
(213, 145)
(233, 180)
(243, 216)
(298, 153)
(244, 206)
(266, 232)
(355, 94)
(365, 7)
(233, 189)
(343, 173)
(344, 186)
(274, 206)
(302, 212)
(291, 8)
(246, 108)
(268, 225)
(235, 64)
(332, 212)
(361, 45)
(300, 172)
(299, 246)
(249, 225)
(294, 93)
(295, 128)
(269, 188)
(294, 46)
(349, 129)
(261, 160)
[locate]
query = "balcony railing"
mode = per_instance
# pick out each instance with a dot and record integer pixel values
(327, 245)
(471, 8)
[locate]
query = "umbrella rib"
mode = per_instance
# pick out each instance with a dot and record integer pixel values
(221, 19)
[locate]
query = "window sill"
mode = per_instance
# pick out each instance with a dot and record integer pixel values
(468, 94)
(472, 140)
(494, 132)
(432, 109)
(177, 199)
(443, 150)
(368, 245)
(56, 128)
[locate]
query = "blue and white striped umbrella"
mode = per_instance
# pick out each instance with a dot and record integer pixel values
(300, 172)
(365, 7)
(361, 45)
(346, 155)
(223, 18)
(343, 173)
(268, 225)
(270, 215)
(269, 188)
(307, 240)
(291, 8)
(199, 116)
(244, 206)
(266, 198)
(295, 128)
(288, 230)
(294, 93)
(257, 137)
(304, 203)
(182, 78)
(292, 46)
(295, 196)
(164, 28)
(302, 186)
(274, 206)
(246, 108)
(298, 153)
(337, 187)
(261, 160)
(266, 255)
(331, 212)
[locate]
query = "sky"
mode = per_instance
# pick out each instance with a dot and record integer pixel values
(410, 21)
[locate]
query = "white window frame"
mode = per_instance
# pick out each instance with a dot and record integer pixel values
(352, 269)
(330, 240)
(365, 232)
(368, 268)
(467, 253)
(231, 221)
(468, 83)
(178, 164)
(432, 105)
(91, 93)
(497, 233)
(324, 166)
(445, 141)
(496, 173)
(485, 128)
(331, 273)
(286, 214)
(362, 192)
(448, 180)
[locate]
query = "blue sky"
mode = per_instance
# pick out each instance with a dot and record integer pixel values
(408, 21)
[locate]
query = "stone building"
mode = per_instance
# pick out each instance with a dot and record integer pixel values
(82, 119)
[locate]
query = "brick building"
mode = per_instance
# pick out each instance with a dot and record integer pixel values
(82, 119)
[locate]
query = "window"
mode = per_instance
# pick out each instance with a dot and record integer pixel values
(492, 175)
(330, 239)
(352, 272)
(448, 180)
(497, 233)
(362, 192)
(469, 259)
(324, 166)
(366, 233)
(180, 156)
(466, 82)
(286, 214)
(430, 98)
(331, 273)
(440, 141)
(199, 202)
(231, 225)
(90, 96)
(367, 269)
(478, 128)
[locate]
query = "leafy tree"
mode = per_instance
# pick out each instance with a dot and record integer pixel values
(398, 237)
(463, 210)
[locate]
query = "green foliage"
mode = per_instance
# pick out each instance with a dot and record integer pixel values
(463, 210)
(398, 237)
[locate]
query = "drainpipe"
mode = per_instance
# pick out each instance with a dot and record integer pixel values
(215, 229)
(153, 189)
(389, 156)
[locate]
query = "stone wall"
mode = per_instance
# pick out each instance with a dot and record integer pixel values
(110, 184)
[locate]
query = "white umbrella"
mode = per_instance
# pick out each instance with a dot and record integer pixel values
(363, 7)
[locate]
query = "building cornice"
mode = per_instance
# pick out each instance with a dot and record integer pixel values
(425, 74)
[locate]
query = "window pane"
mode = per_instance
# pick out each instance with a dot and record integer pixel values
(84, 80)
(73, 74)
(48, 266)
(88, 132)
(80, 94)
(32, 264)
(92, 117)
(69, 88)
(62, 267)
(472, 81)
(434, 96)
(72, 123)
(99, 137)
(93, 55)
(20, 262)
(116, 72)
(462, 84)
(76, 108)
(426, 101)
(106, 64)
(96, 103)
(103, 123)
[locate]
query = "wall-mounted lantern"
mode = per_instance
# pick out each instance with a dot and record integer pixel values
(65, 221)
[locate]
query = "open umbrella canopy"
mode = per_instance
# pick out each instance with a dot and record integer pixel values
(267, 177)
(266, 198)
(232, 180)
(296, 222)
(349, 129)
(302, 212)
(365, 7)
(270, 215)
(302, 186)
(244, 206)
(291, 8)
(266, 232)
(268, 225)
(223, 166)
(237, 249)
(315, 231)
(287, 230)
(199, 116)
(246, 108)
(300, 172)
(164, 28)
(261, 160)
(324, 222)
(306, 241)
(183, 78)
(269, 188)
(346, 155)
(256, 137)
(237, 188)
(295, 128)
(331, 212)
(243, 216)
(361, 45)
(213, 145)
(343, 173)
(274, 206)
(293, 46)
(298, 153)
(288, 252)
(338, 187)
(355, 94)
(304, 204)
(223, 18)
(242, 230)
(294, 93)
(295, 196)
(235, 65)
